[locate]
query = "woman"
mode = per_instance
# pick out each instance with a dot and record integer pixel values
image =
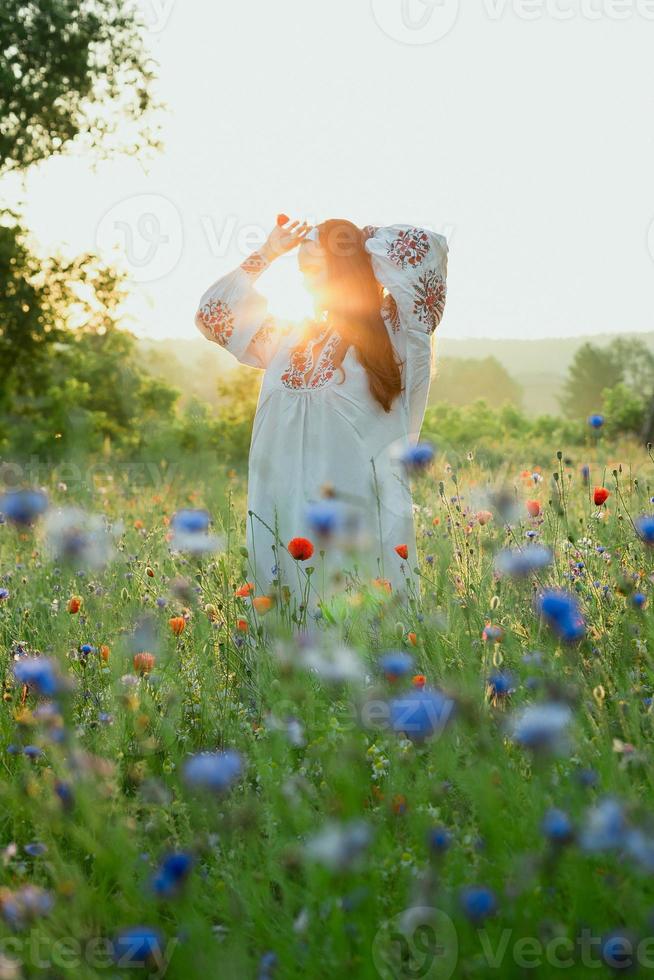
(342, 399)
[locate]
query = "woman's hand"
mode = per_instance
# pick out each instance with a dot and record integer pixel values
(284, 238)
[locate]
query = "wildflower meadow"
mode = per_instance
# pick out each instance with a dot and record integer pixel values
(199, 780)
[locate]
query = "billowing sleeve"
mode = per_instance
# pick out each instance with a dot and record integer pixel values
(233, 314)
(411, 265)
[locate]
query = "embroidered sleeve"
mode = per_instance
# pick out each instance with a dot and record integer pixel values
(411, 265)
(233, 314)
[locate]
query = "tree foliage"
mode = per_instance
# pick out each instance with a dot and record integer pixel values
(625, 361)
(70, 373)
(71, 68)
(462, 381)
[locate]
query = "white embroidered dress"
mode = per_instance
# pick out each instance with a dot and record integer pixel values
(318, 426)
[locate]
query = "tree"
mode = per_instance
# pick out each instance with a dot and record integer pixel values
(624, 361)
(462, 381)
(69, 373)
(71, 67)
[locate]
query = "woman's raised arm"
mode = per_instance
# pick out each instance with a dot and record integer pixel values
(233, 314)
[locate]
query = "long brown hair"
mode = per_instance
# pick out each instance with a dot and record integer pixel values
(354, 307)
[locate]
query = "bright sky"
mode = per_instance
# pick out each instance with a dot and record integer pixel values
(521, 130)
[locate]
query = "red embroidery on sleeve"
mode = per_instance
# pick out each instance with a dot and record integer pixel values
(217, 317)
(429, 301)
(254, 264)
(409, 248)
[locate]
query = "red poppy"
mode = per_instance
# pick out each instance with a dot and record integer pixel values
(533, 507)
(300, 548)
(244, 590)
(419, 681)
(402, 551)
(177, 624)
(282, 219)
(144, 662)
(600, 496)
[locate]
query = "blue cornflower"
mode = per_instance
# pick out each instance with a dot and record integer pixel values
(35, 850)
(325, 517)
(557, 827)
(418, 714)
(639, 599)
(605, 826)
(86, 648)
(23, 506)
(33, 752)
(267, 965)
(4, 594)
(645, 527)
(561, 612)
(40, 673)
(478, 902)
(500, 685)
(585, 472)
(596, 421)
(214, 771)
(541, 727)
(189, 521)
(439, 839)
(522, 561)
(171, 874)
(619, 950)
(138, 946)
(396, 664)
(417, 456)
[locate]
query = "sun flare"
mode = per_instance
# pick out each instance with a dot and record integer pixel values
(283, 287)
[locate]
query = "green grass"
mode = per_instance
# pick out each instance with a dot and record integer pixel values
(119, 745)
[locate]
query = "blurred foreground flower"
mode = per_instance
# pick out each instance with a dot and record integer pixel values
(478, 903)
(23, 506)
(41, 674)
(215, 771)
(645, 528)
(417, 457)
(541, 727)
(173, 871)
(561, 612)
(421, 713)
(596, 421)
(190, 532)
(73, 536)
(520, 562)
(336, 664)
(139, 946)
(338, 846)
(396, 664)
